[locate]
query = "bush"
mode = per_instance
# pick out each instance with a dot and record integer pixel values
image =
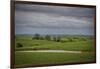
(58, 39)
(19, 45)
(36, 36)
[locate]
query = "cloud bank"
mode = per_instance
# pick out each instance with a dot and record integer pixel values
(42, 19)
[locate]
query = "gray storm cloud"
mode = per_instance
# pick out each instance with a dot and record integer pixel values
(30, 19)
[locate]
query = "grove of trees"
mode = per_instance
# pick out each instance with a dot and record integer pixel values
(46, 37)
(56, 38)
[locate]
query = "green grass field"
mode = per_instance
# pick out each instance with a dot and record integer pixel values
(51, 58)
(29, 58)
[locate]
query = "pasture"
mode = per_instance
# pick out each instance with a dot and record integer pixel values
(85, 44)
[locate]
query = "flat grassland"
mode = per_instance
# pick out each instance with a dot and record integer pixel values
(85, 44)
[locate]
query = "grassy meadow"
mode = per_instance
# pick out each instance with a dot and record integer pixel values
(85, 44)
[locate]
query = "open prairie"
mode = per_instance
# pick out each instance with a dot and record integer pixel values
(82, 44)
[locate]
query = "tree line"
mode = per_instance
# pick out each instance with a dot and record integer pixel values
(46, 37)
(53, 38)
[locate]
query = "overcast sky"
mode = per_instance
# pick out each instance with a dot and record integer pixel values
(42, 19)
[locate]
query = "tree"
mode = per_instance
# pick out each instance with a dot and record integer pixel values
(36, 36)
(19, 45)
(47, 37)
(58, 39)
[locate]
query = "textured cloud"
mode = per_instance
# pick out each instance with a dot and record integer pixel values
(41, 19)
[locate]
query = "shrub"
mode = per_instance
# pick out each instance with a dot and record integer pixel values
(58, 39)
(19, 45)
